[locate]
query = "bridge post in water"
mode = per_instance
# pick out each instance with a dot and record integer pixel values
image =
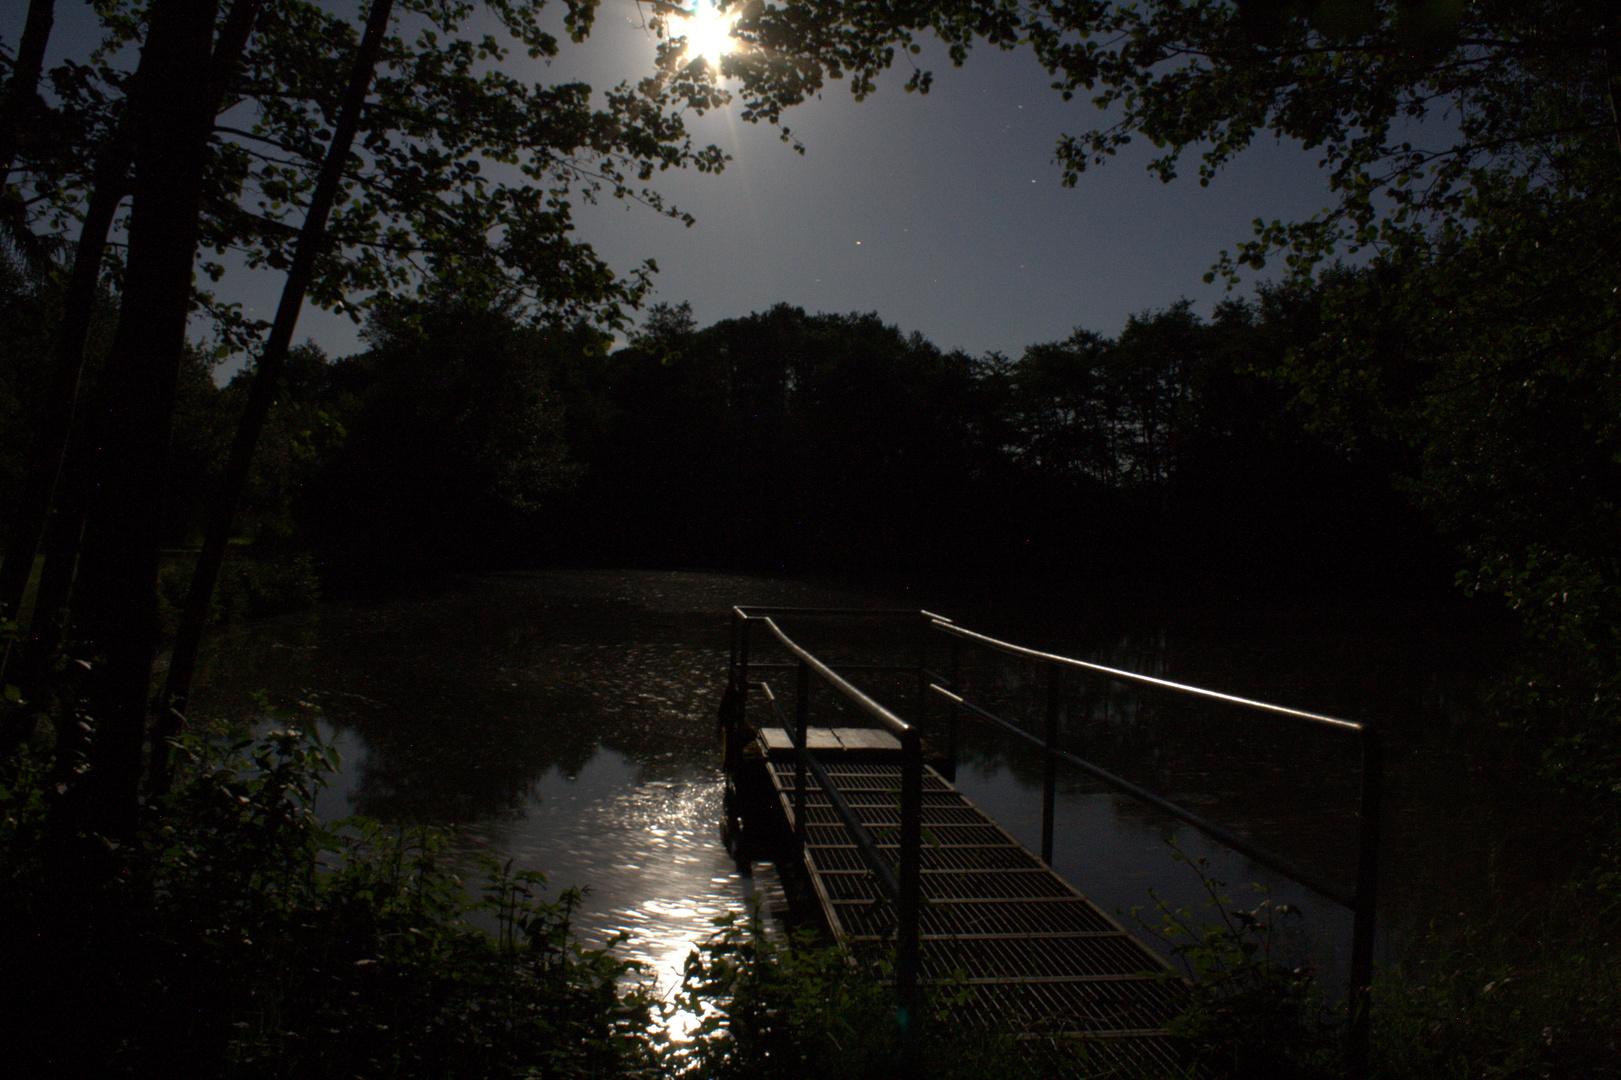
(1049, 786)
(735, 703)
(909, 904)
(920, 706)
(954, 711)
(1365, 902)
(801, 720)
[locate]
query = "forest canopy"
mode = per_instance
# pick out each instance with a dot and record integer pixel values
(1464, 355)
(1473, 149)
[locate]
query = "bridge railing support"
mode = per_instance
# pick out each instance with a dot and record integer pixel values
(901, 881)
(1365, 902)
(1049, 772)
(953, 716)
(801, 751)
(1362, 900)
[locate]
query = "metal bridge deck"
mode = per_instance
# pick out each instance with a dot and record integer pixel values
(1041, 959)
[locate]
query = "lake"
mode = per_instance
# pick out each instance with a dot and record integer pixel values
(567, 720)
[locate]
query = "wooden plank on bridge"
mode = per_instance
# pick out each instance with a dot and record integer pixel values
(834, 743)
(1040, 958)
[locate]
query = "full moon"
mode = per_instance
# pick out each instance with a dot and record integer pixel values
(709, 33)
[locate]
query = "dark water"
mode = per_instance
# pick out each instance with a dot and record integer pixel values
(566, 720)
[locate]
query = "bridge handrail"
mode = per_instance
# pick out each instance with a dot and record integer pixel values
(948, 627)
(1266, 857)
(864, 839)
(895, 724)
(1362, 900)
(901, 882)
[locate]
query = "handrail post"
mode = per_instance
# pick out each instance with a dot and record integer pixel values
(1049, 789)
(922, 669)
(732, 711)
(909, 903)
(736, 640)
(1360, 1003)
(801, 717)
(954, 732)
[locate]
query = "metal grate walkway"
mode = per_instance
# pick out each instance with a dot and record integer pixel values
(1040, 958)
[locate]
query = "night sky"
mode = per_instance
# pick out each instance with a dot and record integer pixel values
(941, 212)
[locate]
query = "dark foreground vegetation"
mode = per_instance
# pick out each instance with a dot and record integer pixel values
(234, 935)
(1443, 408)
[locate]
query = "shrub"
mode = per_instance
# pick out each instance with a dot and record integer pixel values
(1251, 1011)
(1530, 994)
(236, 936)
(797, 1008)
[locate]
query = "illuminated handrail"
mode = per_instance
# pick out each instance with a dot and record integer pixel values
(1362, 900)
(1271, 859)
(948, 627)
(885, 871)
(903, 882)
(895, 724)
(903, 886)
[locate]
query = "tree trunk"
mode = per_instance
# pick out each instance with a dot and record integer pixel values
(24, 82)
(52, 456)
(78, 308)
(116, 604)
(267, 377)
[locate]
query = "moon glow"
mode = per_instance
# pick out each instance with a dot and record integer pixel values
(709, 33)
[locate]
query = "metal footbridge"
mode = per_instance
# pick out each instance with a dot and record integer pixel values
(898, 858)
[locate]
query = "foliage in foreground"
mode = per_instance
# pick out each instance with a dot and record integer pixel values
(794, 1008)
(1254, 1009)
(1526, 993)
(1520, 995)
(238, 937)
(242, 938)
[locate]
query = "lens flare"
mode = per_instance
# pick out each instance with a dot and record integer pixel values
(709, 33)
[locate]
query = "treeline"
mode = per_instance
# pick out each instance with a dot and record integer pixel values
(432, 450)
(788, 440)
(469, 435)
(1468, 365)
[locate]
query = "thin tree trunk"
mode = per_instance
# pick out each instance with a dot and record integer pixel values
(1612, 74)
(267, 377)
(117, 595)
(79, 301)
(30, 519)
(24, 81)
(18, 98)
(16, 102)
(228, 49)
(42, 636)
